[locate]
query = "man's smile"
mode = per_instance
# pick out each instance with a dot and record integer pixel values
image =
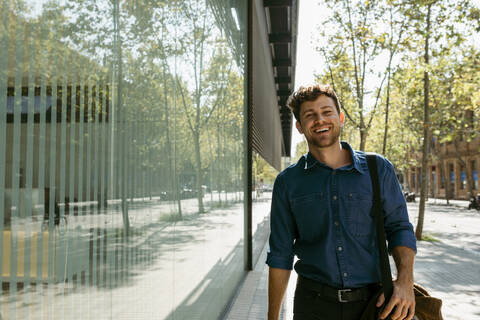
(322, 130)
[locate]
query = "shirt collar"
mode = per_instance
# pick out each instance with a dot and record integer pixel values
(310, 160)
(359, 162)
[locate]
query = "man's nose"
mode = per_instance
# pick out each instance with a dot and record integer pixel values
(319, 117)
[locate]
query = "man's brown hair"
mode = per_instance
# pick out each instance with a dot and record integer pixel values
(310, 93)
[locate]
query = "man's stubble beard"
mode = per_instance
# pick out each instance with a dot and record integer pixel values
(327, 144)
(321, 143)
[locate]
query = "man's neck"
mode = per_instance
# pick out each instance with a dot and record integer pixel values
(333, 156)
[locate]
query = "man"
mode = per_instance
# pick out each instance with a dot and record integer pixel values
(321, 213)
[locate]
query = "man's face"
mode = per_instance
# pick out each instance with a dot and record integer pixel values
(320, 122)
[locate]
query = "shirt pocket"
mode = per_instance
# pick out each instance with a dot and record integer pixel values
(359, 209)
(310, 212)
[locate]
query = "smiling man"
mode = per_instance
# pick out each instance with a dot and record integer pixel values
(321, 213)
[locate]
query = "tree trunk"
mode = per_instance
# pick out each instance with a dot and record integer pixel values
(172, 170)
(363, 138)
(387, 107)
(198, 182)
(217, 180)
(121, 122)
(224, 158)
(426, 124)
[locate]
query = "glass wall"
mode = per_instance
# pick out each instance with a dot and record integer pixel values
(121, 167)
(263, 178)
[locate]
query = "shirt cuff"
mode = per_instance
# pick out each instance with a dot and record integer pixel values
(279, 262)
(404, 238)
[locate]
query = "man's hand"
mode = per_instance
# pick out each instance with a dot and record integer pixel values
(403, 300)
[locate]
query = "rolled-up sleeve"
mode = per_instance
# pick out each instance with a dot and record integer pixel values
(398, 228)
(282, 229)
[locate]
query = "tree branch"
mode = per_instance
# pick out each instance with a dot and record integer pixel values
(184, 103)
(372, 114)
(352, 34)
(338, 91)
(222, 93)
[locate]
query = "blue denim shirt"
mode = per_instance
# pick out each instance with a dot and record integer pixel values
(324, 217)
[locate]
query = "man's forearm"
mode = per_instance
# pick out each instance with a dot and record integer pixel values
(402, 303)
(277, 285)
(404, 259)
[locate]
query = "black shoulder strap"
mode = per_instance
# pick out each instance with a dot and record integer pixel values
(378, 214)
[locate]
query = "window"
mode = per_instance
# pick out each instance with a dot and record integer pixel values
(452, 172)
(463, 177)
(442, 179)
(474, 170)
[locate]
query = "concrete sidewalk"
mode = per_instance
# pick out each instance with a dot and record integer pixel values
(448, 266)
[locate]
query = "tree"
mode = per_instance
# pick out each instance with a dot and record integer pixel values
(207, 93)
(426, 123)
(354, 44)
(404, 125)
(338, 74)
(433, 19)
(145, 85)
(391, 41)
(155, 30)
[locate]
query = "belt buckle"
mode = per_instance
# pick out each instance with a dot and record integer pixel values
(340, 292)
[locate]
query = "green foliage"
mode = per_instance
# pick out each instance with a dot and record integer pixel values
(176, 87)
(262, 170)
(456, 90)
(301, 149)
(359, 34)
(429, 238)
(453, 70)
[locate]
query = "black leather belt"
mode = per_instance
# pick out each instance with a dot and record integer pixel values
(340, 295)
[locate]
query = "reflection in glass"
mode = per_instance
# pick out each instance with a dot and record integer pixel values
(121, 139)
(263, 178)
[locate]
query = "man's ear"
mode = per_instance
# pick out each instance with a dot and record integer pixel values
(299, 127)
(342, 118)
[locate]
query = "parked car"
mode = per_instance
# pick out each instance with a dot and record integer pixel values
(184, 193)
(187, 193)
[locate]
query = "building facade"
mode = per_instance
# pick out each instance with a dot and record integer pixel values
(460, 162)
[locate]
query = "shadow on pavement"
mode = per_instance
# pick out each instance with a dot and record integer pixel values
(443, 267)
(217, 286)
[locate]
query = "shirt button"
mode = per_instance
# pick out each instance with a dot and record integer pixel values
(345, 274)
(337, 223)
(340, 248)
(334, 197)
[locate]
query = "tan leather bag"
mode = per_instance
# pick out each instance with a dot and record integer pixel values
(426, 306)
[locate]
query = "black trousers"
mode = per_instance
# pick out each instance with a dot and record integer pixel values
(311, 305)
